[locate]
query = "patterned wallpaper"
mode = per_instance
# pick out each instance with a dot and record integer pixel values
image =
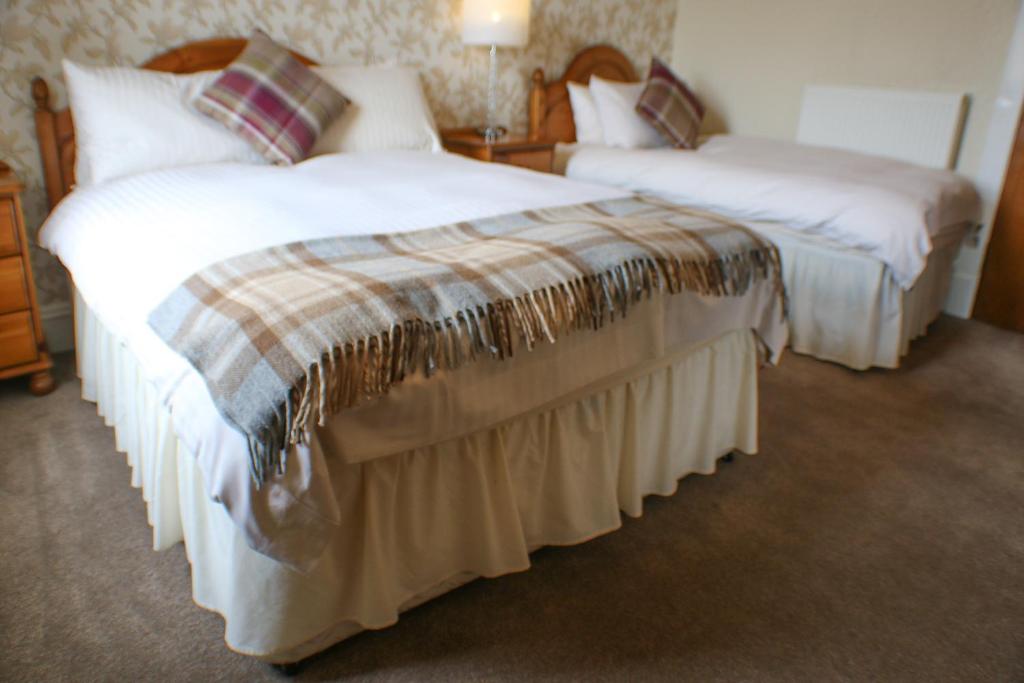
(36, 34)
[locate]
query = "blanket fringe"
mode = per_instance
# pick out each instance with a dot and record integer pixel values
(348, 374)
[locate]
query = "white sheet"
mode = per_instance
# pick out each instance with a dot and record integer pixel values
(883, 207)
(129, 242)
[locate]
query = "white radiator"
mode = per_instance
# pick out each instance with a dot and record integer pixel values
(921, 127)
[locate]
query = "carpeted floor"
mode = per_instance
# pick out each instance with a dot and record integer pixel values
(879, 535)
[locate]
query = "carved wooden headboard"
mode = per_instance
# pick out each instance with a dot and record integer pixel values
(56, 131)
(550, 112)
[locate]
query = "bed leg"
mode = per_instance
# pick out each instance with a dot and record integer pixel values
(290, 669)
(729, 457)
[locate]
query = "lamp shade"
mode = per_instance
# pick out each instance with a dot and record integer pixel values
(496, 22)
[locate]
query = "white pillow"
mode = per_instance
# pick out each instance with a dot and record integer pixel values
(132, 120)
(616, 107)
(584, 115)
(387, 110)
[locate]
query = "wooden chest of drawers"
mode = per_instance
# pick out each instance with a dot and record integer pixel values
(22, 348)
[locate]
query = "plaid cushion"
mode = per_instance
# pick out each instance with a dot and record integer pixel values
(668, 105)
(273, 100)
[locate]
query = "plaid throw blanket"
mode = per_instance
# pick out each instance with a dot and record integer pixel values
(285, 336)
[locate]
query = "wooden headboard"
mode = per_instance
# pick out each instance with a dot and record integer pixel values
(56, 131)
(550, 112)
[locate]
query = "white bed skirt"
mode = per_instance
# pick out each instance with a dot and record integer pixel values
(422, 522)
(845, 306)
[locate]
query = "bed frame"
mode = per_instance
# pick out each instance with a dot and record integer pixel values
(56, 131)
(550, 112)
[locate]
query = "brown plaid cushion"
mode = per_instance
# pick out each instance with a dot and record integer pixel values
(672, 108)
(272, 100)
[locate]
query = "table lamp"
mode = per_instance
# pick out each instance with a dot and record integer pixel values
(496, 23)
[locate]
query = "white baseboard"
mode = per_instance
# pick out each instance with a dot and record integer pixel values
(960, 300)
(58, 326)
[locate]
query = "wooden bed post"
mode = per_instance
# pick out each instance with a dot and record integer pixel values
(538, 102)
(46, 133)
(550, 110)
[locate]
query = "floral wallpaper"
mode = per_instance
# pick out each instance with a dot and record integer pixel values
(36, 34)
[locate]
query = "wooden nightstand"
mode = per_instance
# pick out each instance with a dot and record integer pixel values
(22, 347)
(517, 151)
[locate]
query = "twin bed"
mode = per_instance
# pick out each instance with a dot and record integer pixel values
(867, 243)
(453, 474)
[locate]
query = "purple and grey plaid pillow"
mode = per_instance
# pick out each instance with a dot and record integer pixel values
(273, 100)
(672, 108)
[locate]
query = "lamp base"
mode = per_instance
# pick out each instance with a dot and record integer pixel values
(492, 133)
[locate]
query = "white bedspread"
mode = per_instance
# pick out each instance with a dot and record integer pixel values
(129, 242)
(886, 208)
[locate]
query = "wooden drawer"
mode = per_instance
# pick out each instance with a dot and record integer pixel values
(8, 229)
(478, 153)
(17, 341)
(538, 160)
(13, 294)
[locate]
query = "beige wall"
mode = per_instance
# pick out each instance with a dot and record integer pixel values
(750, 60)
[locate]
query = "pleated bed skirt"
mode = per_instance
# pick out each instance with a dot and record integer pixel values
(419, 523)
(845, 306)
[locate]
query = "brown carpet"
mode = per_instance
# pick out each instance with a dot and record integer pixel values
(879, 535)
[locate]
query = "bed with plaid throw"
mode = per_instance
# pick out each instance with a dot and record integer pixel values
(286, 336)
